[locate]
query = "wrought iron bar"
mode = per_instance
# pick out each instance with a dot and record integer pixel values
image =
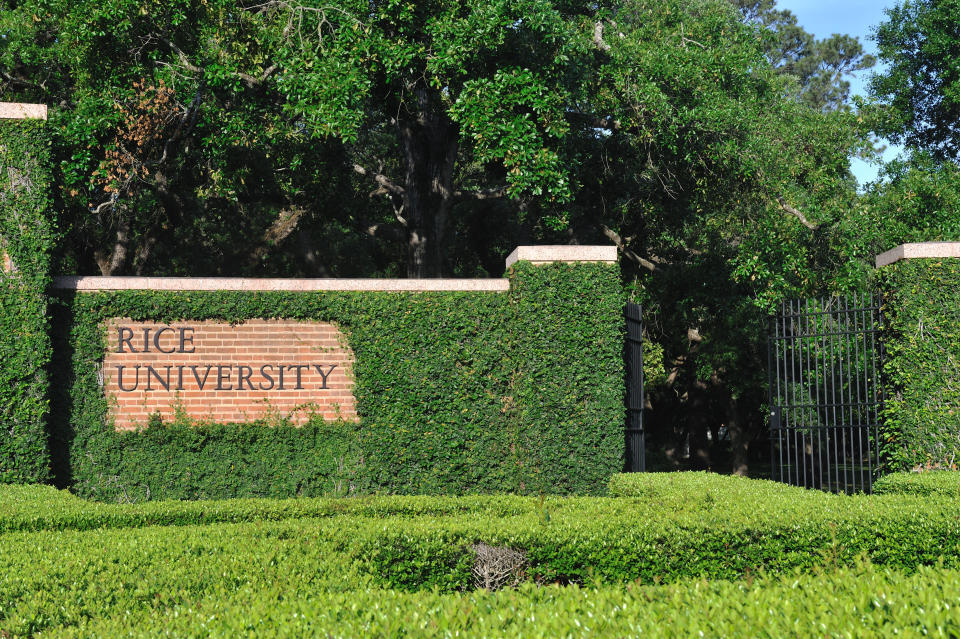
(824, 392)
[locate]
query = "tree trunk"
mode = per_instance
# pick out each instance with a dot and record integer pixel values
(699, 425)
(739, 441)
(111, 263)
(430, 149)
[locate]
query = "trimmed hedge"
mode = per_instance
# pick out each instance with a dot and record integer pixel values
(85, 574)
(864, 601)
(457, 392)
(922, 364)
(26, 237)
(37, 508)
(939, 482)
(688, 487)
(413, 543)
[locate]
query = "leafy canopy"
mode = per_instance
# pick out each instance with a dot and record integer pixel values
(920, 43)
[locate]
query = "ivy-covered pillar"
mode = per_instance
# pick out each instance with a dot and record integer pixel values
(567, 388)
(26, 239)
(921, 368)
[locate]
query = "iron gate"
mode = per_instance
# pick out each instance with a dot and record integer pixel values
(633, 358)
(825, 395)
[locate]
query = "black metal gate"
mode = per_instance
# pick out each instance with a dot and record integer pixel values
(825, 395)
(633, 358)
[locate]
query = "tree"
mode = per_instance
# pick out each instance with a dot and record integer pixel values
(724, 192)
(819, 66)
(473, 95)
(173, 152)
(920, 42)
(916, 199)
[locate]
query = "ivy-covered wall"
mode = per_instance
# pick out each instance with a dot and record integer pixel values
(26, 239)
(457, 392)
(922, 363)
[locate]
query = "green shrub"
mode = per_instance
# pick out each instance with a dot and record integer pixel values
(26, 236)
(940, 482)
(410, 542)
(860, 602)
(457, 392)
(922, 364)
(37, 508)
(699, 487)
(280, 599)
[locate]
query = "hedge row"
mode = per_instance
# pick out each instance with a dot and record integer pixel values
(922, 364)
(26, 508)
(863, 601)
(686, 488)
(26, 238)
(413, 543)
(457, 392)
(44, 508)
(306, 578)
(936, 483)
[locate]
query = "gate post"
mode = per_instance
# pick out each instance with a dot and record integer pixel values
(921, 369)
(566, 389)
(633, 356)
(26, 239)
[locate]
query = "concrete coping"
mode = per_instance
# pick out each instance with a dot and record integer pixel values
(96, 283)
(918, 250)
(562, 253)
(533, 254)
(22, 111)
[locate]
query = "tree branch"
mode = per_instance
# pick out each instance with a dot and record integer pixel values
(184, 60)
(281, 228)
(614, 237)
(382, 180)
(250, 80)
(797, 214)
(598, 37)
(482, 194)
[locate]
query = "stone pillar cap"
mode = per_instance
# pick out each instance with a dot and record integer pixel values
(918, 250)
(22, 111)
(563, 253)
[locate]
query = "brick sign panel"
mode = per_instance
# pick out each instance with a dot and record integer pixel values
(227, 373)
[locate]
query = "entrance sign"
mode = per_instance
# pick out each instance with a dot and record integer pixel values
(227, 373)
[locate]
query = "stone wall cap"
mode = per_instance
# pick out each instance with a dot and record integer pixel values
(918, 250)
(22, 111)
(562, 253)
(97, 283)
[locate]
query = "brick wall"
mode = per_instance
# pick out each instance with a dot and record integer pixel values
(225, 373)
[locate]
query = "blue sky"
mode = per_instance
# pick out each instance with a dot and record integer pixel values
(855, 17)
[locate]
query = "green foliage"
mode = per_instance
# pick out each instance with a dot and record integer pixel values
(916, 200)
(299, 566)
(412, 543)
(698, 489)
(566, 392)
(37, 507)
(863, 600)
(922, 364)
(935, 483)
(26, 237)
(723, 188)
(724, 536)
(920, 86)
(501, 70)
(216, 461)
(193, 183)
(457, 392)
